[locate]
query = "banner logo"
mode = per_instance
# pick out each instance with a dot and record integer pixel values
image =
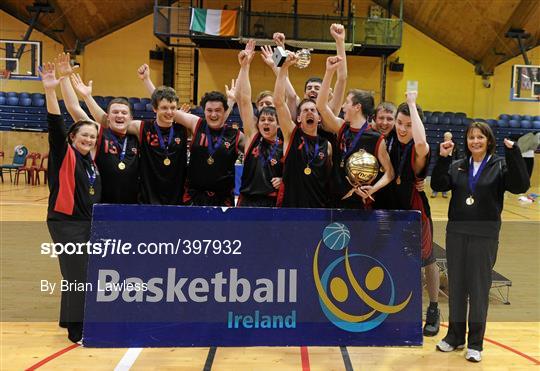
(336, 237)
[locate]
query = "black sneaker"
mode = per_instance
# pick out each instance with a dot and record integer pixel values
(433, 320)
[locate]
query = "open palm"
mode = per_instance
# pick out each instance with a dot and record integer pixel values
(48, 76)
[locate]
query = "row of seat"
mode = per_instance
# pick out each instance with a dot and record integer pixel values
(508, 117)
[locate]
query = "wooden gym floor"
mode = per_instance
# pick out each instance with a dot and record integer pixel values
(35, 341)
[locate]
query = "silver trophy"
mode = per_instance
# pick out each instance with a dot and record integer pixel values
(280, 55)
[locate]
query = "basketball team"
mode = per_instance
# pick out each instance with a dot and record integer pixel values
(298, 152)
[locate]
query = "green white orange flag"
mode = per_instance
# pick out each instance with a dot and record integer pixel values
(213, 22)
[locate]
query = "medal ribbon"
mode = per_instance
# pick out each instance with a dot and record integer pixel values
(211, 148)
(306, 147)
(347, 152)
(389, 144)
(91, 173)
(122, 148)
(161, 142)
(473, 179)
(273, 150)
(403, 157)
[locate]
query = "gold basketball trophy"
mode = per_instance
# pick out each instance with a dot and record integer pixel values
(362, 168)
(280, 55)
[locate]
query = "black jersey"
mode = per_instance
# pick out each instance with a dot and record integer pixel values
(213, 172)
(74, 180)
(405, 194)
(369, 141)
(261, 164)
(162, 170)
(298, 188)
(384, 198)
(120, 178)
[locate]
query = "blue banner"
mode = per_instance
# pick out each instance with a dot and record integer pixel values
(163, 276)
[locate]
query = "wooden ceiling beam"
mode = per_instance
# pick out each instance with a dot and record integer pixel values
(518, 19)
(67, 37)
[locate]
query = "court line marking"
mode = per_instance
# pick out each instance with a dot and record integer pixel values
(509, 348)
(304, 354)
(346, 358)
(210, 359)
(128, 359)
(52, 356)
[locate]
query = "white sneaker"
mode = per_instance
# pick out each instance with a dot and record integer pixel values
(443, 346)
(473, 355)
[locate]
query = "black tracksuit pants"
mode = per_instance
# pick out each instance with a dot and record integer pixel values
(470, 262)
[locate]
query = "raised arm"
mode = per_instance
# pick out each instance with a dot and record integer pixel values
(144, 74)
(231, 98)
(64, 69)
(243, 90)
(421, 145)
(516, 178)
(50, 82)
(85, 92)
(331, 122)
(284, 116)
(441, 181)
(338, 33)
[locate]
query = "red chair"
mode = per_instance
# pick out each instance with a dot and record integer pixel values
(27, 169)
(43, 166)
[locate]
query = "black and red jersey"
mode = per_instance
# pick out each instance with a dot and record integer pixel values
(74, 181)
(120, 182)
(298, 188)
(210, 171)
(162, 170)
(262, 163)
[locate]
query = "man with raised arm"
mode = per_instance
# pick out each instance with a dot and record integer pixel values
(261, 177)
(353, 134)
(117, 153)
(213, 152)
(308, 156)
(163, 146)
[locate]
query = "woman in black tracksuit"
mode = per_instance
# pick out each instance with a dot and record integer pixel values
(478, 183)
(75, 186)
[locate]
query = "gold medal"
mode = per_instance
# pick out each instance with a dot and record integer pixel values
(210, 160)
(166, 162)
(307, 171)
(398, 180)
(91, 191)
(121, 165)
(469, 201)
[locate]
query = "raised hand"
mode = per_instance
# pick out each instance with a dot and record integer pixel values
(82, 89)
(48, 76)
(63, 65)
(279, 39)
(246, 56)
(333, 63)
(292, 58)
(266, 55)
(508, 143)
(411, 97)
(143, 72)
(446, 148)
(230, 93)
(338, 32)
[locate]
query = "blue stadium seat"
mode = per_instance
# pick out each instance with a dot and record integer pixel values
(467, 121)
(536, 118)
(100, 101)
(526, 124)
(10, 94)
(2, 93)
(449, 114)
(526, 117)
(433, 119)
(492, 123)
(445, 120)
(38, 102)
(460, 114)
(37, 96)
(12, 101)
(2, 100)
(146, 100)
(133, 100)
(456, 120)
(480, 120)
(138, 106)
(24, 95)
(149, 107)
(504, 116)
(515, 117)
(502, 123)
(536, 124)
(514, 123)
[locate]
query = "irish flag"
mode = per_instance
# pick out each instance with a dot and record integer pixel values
(213, 22)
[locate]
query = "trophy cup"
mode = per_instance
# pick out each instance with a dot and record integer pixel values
(280, 55)
(362, 168)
